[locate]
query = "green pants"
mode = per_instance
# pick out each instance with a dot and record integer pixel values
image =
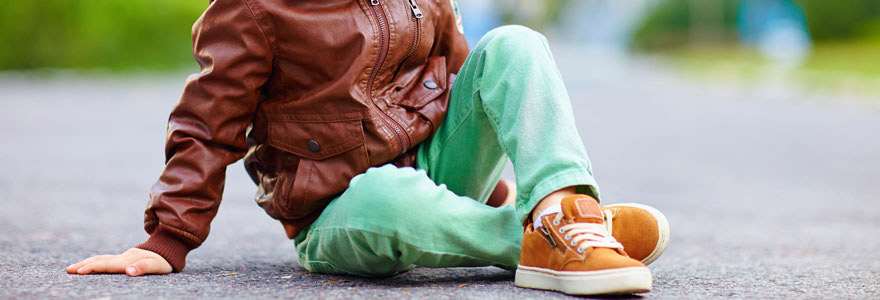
(508, 101)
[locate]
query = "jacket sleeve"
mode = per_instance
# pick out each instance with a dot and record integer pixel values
(206, 129)
(450, 41)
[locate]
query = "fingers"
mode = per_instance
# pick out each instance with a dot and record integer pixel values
(134, 262)
(112, 264)
(148, 266)
(71, 269)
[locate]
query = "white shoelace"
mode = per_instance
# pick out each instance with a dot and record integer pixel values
(585, 235)
(609, 216)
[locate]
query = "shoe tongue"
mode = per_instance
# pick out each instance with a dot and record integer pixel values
(581, 209)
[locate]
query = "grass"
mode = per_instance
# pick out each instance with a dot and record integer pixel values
(97, 34)
(851, 67)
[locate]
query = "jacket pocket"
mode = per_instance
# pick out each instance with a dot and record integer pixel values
(309, 137)
(428, 99)
(330, 150)
(429, 86)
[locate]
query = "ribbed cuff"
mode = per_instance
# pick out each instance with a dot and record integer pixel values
(169, 247)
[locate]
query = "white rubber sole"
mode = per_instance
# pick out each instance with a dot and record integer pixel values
(603, 282)
(662, 229)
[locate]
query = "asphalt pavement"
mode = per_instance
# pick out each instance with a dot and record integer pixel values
(772, 191)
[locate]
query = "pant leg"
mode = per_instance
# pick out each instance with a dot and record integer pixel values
(392, 218)
(509, 100)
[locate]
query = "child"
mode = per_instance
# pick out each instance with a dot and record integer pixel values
(375, 138)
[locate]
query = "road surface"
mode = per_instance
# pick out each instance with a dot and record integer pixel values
(771, 191)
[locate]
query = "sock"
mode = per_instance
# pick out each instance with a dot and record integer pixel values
(547, 211)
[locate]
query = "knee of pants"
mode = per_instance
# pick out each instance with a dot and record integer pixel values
(385, 191)
(514, 39)
(353, 252)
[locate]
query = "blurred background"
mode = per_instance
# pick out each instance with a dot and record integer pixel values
(825, 44)
(754, 125)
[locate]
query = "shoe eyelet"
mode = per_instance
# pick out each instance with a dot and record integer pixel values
(573, 244)
(560, 230)
(555, 222)
(580, 250)
(567, 237)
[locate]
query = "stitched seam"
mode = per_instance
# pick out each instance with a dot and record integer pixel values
(338, 269)
(183, 233)
(329, 151)
(494, 121)
(527, 195)
(251, 9)
(453, 132)
(296, 120)
(430, 95)
(402, 240)
(306, 186)
(551, 178)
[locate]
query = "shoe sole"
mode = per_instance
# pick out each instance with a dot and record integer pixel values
(629, 280)
(662, 229)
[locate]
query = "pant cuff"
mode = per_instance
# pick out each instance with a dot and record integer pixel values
(585, 184)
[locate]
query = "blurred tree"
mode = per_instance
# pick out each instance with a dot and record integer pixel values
(676, 23)
(108, 34)
(840, 19)
(673, 23)
(538, 15)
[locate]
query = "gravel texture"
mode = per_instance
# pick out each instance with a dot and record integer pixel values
(771, 192)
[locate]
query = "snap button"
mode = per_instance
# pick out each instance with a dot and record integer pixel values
(313, 146)
(430, 84)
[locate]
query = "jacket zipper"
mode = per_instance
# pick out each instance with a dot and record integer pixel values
(417, 14)
(402, 136)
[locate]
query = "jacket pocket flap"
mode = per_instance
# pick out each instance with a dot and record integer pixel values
(430, 85)
(316, 140)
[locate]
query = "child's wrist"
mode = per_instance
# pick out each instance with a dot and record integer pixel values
(172, 249)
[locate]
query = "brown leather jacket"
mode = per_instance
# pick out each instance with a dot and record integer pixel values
(310, 93)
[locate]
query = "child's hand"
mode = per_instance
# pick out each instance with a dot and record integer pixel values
(134, 262)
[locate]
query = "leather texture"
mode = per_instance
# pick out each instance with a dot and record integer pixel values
(547, 248)
(310, 94)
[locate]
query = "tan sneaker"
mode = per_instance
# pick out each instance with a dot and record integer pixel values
(575, 254)
(642, 230)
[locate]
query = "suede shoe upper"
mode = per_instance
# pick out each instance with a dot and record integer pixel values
(576, 240)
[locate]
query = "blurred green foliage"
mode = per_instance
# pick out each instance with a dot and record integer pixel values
(108, 34)
(671, 23)
(155, 34)
(841, 19)
(538, 15)
(845, 34)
